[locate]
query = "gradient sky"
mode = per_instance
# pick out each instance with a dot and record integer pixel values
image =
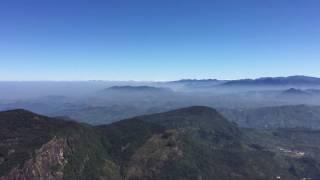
(158, 39)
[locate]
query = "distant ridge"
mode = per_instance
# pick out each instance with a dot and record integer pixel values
(294, 81)
(198, 83)
(195, 80)
(294, 91)
(137, 89)
(276, 81)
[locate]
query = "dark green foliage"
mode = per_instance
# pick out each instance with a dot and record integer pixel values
(86, 155)
(204, 119)
(211, 147)
(125, 137)
(295, 116)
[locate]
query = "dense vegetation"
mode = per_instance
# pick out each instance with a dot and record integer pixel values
(190, 143)
(298, 116)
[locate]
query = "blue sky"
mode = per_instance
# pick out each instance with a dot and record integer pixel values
(158, 39)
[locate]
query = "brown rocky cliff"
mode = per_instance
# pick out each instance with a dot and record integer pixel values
(47, 164)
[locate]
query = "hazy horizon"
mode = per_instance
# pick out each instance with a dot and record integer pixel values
(150, 81)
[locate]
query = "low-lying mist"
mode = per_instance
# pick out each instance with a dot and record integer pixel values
(102, 102)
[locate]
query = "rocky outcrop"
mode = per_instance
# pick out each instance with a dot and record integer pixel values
(47, 164)
(152, 156)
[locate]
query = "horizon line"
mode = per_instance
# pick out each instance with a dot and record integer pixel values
(150, 81)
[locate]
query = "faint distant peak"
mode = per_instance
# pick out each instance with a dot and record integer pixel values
(195, 80)
(136, 88)
(298, 80)
(294, 91)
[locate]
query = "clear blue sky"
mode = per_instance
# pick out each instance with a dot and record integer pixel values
(158, 39)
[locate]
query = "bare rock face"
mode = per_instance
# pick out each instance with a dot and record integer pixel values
(47, 164)
(152, 156)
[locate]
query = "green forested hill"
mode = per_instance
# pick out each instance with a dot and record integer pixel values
(189, 143)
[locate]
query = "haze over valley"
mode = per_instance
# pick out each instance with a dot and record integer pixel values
(103, 102)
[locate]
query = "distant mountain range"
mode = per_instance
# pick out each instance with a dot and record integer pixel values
(135, 88)
(184, 144)
(198, 83)
(276, 81)
(265, 81)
